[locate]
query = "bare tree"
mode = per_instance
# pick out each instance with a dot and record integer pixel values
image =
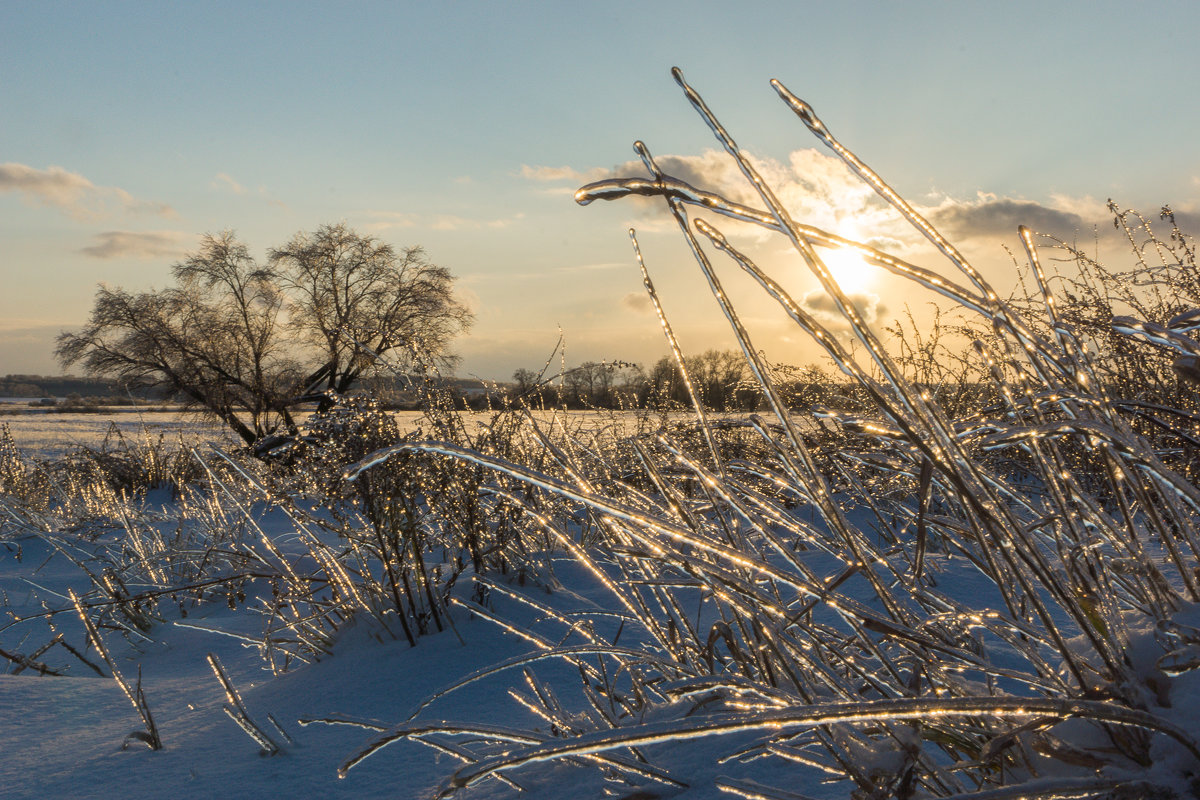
(355, 298)
(717, 375)
(211, 339)
(525, 381)
(246, 342)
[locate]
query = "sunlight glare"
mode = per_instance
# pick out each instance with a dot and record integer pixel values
(849, 269)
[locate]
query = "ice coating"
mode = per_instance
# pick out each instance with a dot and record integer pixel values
(651, 733)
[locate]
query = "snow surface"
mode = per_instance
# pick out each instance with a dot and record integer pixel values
(66, 736)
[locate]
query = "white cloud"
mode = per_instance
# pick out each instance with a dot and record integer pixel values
(821, 305)
(451, 222)
(72, 193)
(602, 266)
(224, 181)
(638, 302)
(132, 244)
(17, 325)
(386, 220)
(818, 189)
(990, 215)
(508, 277)
(541, 173)
(815, 188)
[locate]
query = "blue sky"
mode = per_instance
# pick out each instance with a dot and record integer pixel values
(130, 129)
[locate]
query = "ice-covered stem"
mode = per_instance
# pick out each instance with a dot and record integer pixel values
(809, 117)
(810, 476)
(999, 311)
(935, 437)
(235, 709)
(676, 352)
(823, 714)
(670, 187)
(134, 693)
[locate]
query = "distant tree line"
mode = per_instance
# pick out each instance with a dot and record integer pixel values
(36, 386)
(719, 378)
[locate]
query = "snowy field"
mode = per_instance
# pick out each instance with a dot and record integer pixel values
(75, 736)
(71, 736)
(54, 435)
(65, 735)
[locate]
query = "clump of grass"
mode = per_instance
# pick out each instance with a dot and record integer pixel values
(1115, 312)
(821, 627)
(135, 465)
(86, 487)
(388, 546)
(21, 481)
(142, 562)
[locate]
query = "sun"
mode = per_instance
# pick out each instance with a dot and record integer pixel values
(853, 274)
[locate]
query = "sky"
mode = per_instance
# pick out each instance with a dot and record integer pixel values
(128, 130)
